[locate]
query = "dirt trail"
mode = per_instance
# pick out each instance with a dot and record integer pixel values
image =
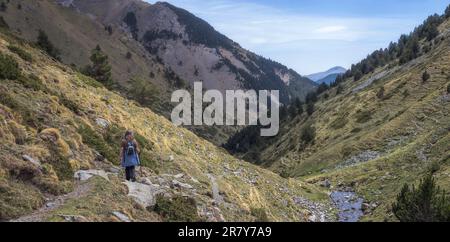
(81, 189)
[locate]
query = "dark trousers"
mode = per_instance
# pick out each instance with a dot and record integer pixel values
(130, 173)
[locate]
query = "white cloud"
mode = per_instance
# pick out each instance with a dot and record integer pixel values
(331, 29)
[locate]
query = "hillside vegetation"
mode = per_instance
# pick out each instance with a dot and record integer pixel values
(374, 130)
(153, 50)
(56, 123)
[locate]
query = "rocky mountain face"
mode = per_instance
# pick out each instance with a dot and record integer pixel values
(161, 45)
(61, 133)
(193, 50)
(373, 133)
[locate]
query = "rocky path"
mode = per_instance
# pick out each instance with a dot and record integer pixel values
(81, 189)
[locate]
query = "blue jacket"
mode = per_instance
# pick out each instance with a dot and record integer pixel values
(130, 159)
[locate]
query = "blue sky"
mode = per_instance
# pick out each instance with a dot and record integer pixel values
(313, 35)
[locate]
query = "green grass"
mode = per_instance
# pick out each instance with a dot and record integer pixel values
(17, 198)
(177, 209)
(339, 122)
(260, 214)
(89, 81)
(9, 68)
(32, 82)
(21, 53)
(363, 116)
(97, 142)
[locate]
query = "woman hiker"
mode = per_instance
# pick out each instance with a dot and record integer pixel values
(129, 155)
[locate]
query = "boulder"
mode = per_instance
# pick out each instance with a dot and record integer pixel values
(326, 184)
(179, 176)
(143, 194)
(86, 175)
(31, 160)
(178, 184)
(122, 217)
(102, 122)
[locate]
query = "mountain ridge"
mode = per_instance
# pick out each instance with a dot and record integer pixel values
(318, 77)
(158, 45)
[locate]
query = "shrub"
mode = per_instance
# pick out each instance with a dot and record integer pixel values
(100, 69)
(9, 68)
(339, 123)
(144, 92)
(356, 130)
(44, 43)
(380, 93)
(21, 53)
(143, 142)
(425, 76)
(89, 81)
(308, 134)
(426, 203)
(260, 214)
(363, 116)
(448, 88)
(32, 82)
(96, 142)
(406, 93)
(434, 167)
(3, 23)
(310, 109)
(59, 153)
(177, 209)
(71, 105)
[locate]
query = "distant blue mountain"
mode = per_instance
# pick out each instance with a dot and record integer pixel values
(328, 76)
(329, 79)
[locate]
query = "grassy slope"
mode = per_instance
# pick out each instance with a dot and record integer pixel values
(53, 130)
(409, 128)
(69, 30)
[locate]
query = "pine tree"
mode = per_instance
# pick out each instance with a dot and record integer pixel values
(3, 23)
(357, 76)
(100, 69)
(433, 32)
(447, 12)
(44, 43)
(283, 113)
(339, 89)
(380, 93)
(425, 76)
(308, 134)
(143, 91)
(311, 97)
(323, 87)
(310, 109)
(299, 106)
(427, 203)
(293, 111)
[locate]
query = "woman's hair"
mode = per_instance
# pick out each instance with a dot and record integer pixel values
(129, 132)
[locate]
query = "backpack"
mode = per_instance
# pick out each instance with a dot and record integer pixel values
(130, 148)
